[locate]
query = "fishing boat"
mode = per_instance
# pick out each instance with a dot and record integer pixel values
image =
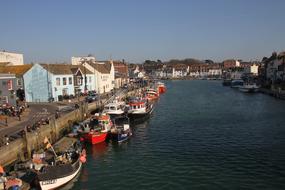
(151, 94)
(139, 108)
(161, 88)
(53, 168)
(115, 108)
(237, 83)
(95, 129)
(121, 130)
(249, 88)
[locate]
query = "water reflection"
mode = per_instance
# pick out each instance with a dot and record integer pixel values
(98, 150)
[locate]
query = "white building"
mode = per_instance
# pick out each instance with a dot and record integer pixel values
(215, 72)
(79, 60)
(275, 70)
(11, 58)
(178, 72)
(253, 69)
(103, 71)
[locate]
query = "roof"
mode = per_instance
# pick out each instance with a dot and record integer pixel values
(104, 68)
(120, 68)
(64, 69)
(18, 70)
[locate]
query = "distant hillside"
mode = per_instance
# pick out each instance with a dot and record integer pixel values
(188, 61)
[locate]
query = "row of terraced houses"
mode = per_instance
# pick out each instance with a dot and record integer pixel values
(41, 82)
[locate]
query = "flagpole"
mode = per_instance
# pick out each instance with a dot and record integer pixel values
(48, 143)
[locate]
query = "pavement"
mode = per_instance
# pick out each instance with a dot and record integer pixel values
(31, 115)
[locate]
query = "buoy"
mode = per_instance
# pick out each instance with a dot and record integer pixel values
(82, 159)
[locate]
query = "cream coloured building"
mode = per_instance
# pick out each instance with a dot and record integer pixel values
(103, 71)
(11, 58)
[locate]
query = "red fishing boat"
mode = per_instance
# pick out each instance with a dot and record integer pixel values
(161, 87)
(95, 130)
(152, 94)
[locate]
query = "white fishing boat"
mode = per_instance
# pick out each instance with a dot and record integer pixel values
(57, 166)
(249, 88)
(115, 108)
(139, 109)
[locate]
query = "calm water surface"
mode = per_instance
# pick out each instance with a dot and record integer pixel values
(202, 136)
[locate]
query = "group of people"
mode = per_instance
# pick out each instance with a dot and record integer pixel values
(37, 125)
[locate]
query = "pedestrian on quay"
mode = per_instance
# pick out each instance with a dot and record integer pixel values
(19, 115)
(6, 140)
(57, 114)
(6, 121)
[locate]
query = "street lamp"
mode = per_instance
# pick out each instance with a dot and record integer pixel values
(83, 61)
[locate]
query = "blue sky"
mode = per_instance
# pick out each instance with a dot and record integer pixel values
(136, 30)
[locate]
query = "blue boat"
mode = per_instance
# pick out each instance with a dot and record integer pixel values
(121, 130)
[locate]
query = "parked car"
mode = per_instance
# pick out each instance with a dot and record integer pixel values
(91, 98)
(125, 86)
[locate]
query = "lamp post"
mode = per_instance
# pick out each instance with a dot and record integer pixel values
(83, 61)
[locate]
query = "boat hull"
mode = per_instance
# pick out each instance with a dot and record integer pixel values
(120, 137)
(161, 89)
(141, 116)
(248, 90)
(95, 138)
(58, 182)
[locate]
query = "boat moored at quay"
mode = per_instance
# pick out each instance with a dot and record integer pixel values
(115, 108)
(249, 88)
(161, 87)
(139, 108)
(95, 129)
(237, 83)
(121, 130)
(55, 167)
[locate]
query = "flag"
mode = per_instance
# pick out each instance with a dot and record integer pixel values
(1, 169)
(46, 140)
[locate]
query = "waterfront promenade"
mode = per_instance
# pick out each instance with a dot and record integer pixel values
(21, 140)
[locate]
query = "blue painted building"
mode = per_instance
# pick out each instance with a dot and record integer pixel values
(45, 82)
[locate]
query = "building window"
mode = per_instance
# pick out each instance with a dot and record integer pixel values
(70, 80)
(79, 80)
(63, 81)
(10, 84)
(90, 79)
(57, 81)
(19, 82)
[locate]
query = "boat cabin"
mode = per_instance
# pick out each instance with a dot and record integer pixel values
(137, 105)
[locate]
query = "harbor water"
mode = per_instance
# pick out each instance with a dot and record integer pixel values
(201, 136)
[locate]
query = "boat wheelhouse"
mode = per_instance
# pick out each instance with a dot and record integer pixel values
(115, 108)
(139, 108)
